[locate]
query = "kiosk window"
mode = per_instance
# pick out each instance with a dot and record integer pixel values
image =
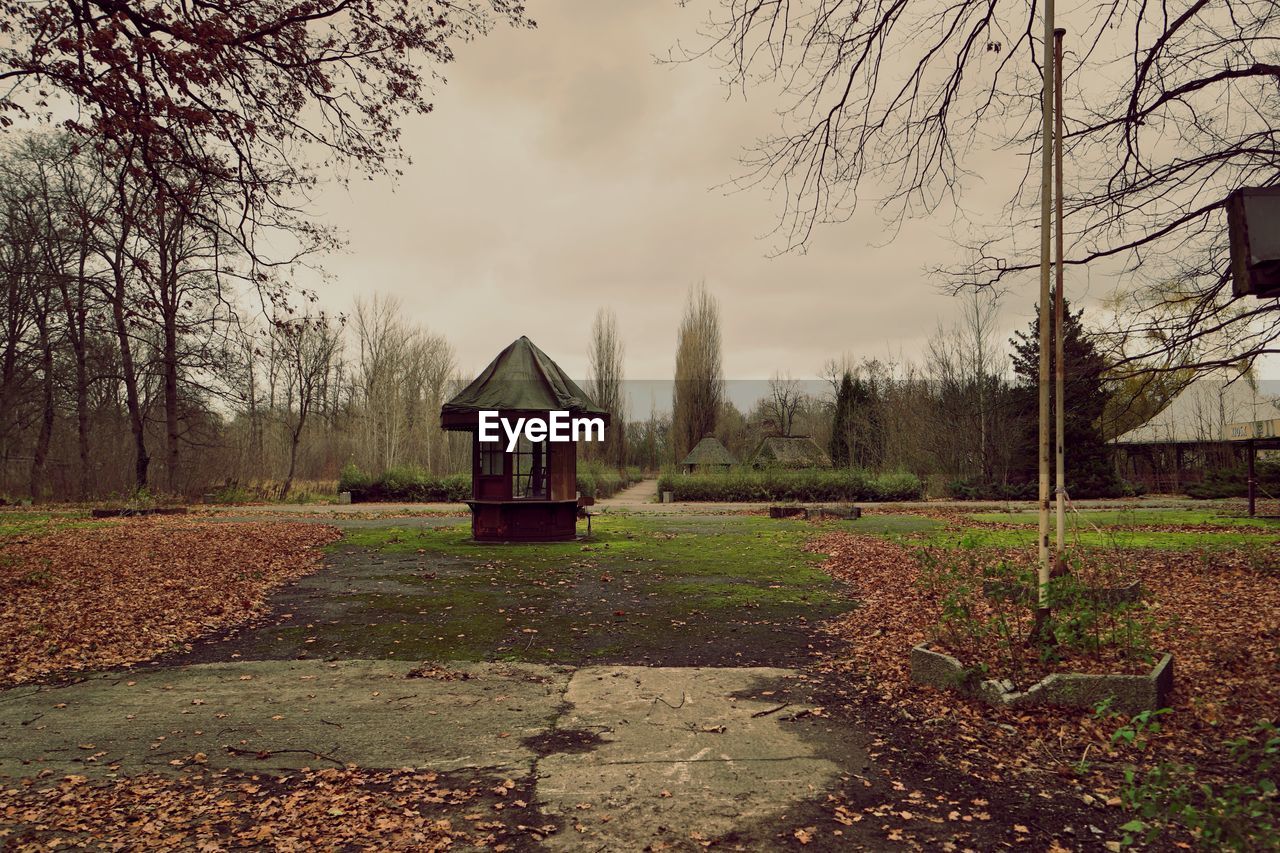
(491, 459)
(529, 470)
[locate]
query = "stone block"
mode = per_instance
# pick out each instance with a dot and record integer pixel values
(1129, 694)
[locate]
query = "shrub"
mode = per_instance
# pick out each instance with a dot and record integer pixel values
(405, 483)
(781, 484)
(987, 612)
(1234, 482)
(587, 483)
(975, 489)
(231, 493)
(409, 483)
(1242, 813)
(352, 479)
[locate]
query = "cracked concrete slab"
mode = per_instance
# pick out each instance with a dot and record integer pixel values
(681, 750)
(281, 715)
(621, 757)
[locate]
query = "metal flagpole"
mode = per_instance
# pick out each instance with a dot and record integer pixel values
(1046, 170)
(1059, 314)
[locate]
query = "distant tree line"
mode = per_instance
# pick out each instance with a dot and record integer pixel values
(964, 419)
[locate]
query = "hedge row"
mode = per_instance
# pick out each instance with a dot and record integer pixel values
(1089, 487)
(780, 484)
(414, 485)
(403, 484)
(1234, 482)
(983, 490)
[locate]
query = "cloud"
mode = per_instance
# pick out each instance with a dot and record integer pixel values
(564, 170)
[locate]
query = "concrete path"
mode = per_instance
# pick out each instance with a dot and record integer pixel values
(621, 757)
(640, 499)
(642, 493)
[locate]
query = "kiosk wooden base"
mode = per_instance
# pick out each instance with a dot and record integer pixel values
(524, 521)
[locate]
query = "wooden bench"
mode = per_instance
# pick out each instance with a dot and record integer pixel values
(584, 503)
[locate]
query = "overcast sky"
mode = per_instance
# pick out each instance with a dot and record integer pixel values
(564, 170)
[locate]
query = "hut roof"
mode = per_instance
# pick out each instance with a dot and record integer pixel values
(790, 451)
(521, 378)
(709, 451)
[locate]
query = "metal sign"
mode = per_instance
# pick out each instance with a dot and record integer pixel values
(1253, 229)
(1253, 429)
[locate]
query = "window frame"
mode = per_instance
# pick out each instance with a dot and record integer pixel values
(538, 473)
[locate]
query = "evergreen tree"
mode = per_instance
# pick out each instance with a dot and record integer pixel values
(842, 423)
(1089, 469)
(866, 446)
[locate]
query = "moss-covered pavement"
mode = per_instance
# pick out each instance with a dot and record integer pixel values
(709, 591)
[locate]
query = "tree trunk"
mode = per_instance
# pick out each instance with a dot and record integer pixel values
(82, 425)
(77, 319)
(136, 421)
(171, 399)
(41, 453)
(13, 314)
(296, 437)
(255, 428)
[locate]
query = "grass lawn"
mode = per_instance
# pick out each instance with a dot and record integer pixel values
(895, 525)
(676, 591)
(1136, 517)
(1137, 528)
(1179, 540)
(670, 590)
(28, 523)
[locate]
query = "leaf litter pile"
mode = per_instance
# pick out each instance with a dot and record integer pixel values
(307, 810)
(122, 592)
(1221, 621)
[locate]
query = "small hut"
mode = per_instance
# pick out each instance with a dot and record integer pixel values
(708, 455)
(530, 492)
(789, 451)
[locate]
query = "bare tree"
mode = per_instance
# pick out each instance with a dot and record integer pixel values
(1168, 111)
(383, 341)
(833, 372)
(21, 279)
(605, 378)
(432, 368)
(699, 378)
(309, 346)
(784, 400)
(969, 376)
(403, 375)
(973, 431)
(67, 190)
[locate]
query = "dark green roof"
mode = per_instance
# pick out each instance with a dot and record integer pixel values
(521, 378)
(709, 451)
